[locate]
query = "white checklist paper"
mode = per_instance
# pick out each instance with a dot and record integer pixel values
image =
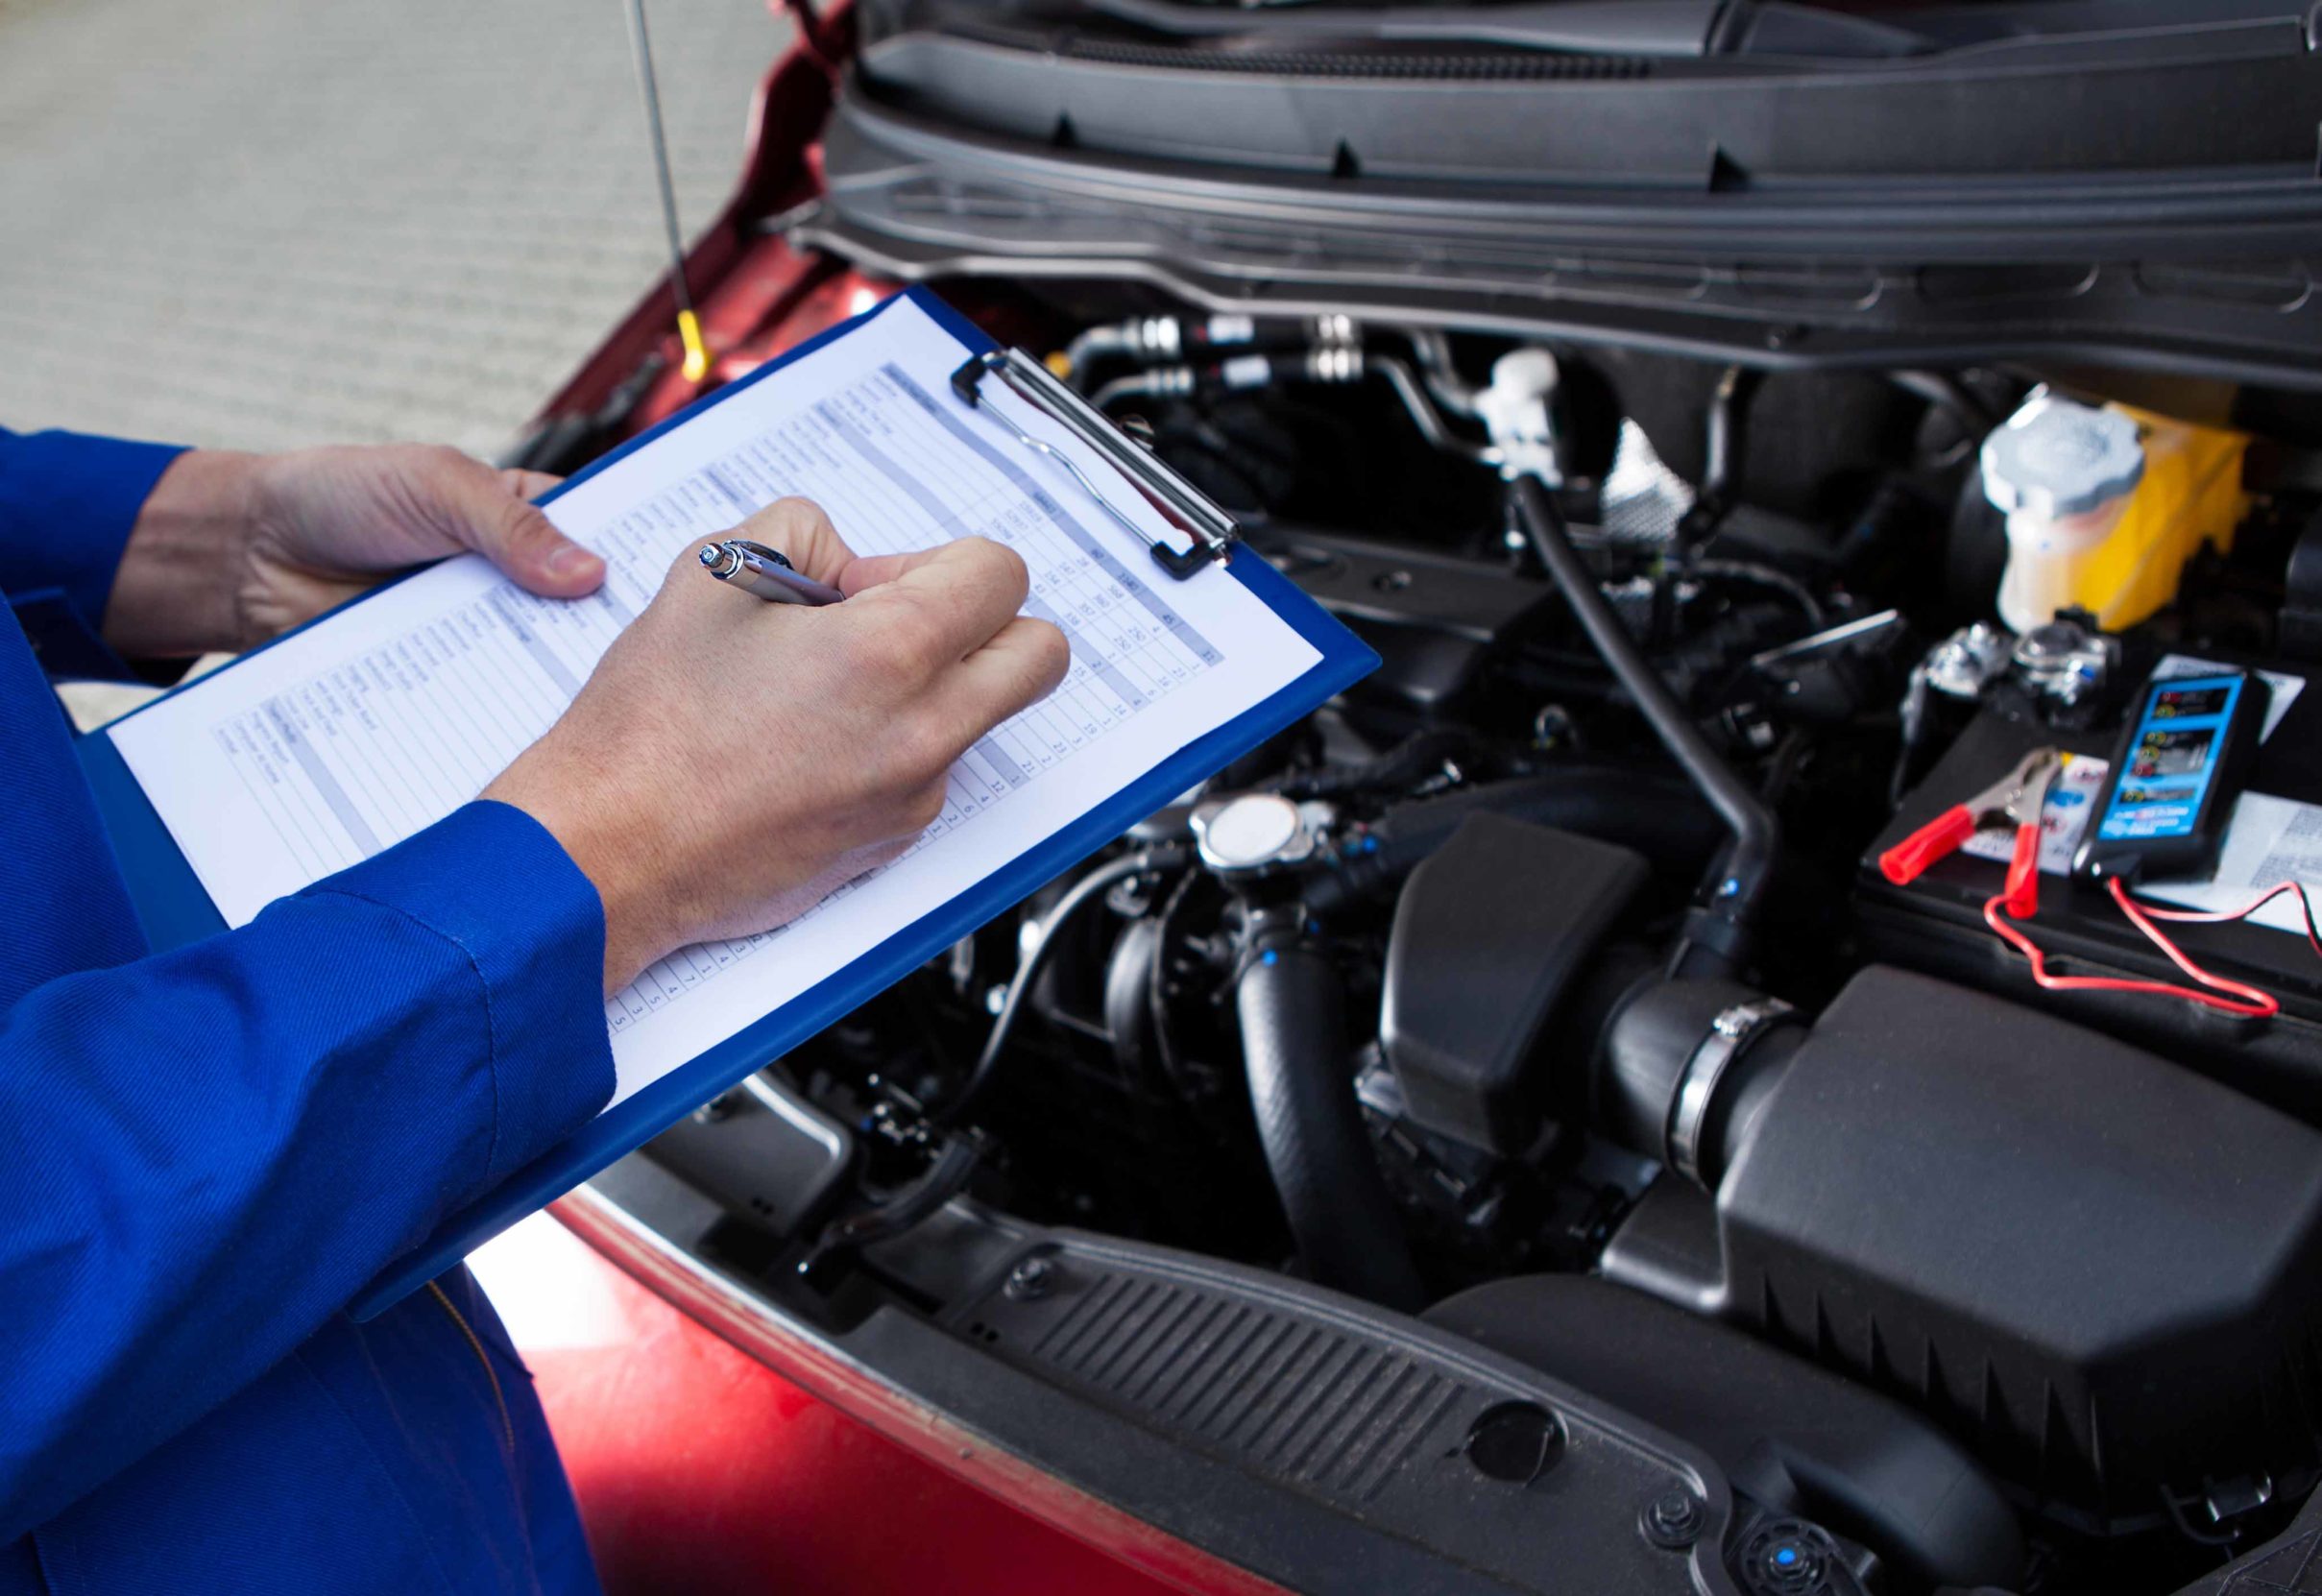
(2269, 840)
(374, 723)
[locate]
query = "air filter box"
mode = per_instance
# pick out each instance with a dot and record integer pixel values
(2101, 1270)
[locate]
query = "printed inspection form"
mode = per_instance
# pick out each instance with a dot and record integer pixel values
(369, 725)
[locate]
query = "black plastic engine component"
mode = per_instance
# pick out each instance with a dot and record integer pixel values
(1414, 1461)
(1488, 935)
(2298, 632)
(2272, 1567)
(775, 1159)
(1795, 1438)
(1434, 617)
(1789, 1557)
(2103, 1271)
(1661, 816)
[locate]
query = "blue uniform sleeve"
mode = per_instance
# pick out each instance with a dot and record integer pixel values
(67, 503)
(206, 1154)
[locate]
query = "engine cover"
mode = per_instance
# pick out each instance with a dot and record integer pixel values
(2103, 1271)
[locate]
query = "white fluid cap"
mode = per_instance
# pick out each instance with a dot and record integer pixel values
(2059, 457)
(1515, 410)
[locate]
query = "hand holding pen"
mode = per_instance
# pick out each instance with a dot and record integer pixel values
(726, 766)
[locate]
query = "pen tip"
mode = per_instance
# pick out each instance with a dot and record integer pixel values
(710, 554)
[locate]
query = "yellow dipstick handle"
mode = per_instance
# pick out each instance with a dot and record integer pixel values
(697, 353)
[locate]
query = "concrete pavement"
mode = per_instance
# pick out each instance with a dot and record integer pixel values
(268, 223)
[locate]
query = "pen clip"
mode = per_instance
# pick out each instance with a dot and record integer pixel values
(772, 556)
(1183, 505)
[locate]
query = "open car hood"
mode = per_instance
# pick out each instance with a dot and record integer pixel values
(2128, 182)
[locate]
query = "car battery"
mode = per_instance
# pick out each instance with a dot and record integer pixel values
(1935, 922)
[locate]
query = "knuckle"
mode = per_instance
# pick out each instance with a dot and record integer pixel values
(788, 523)
(797, 509)
(997, 555)
(1052, 652)
(1004, 565)
(923, 751)
(443, 461)
(923, 805)
(886, 653)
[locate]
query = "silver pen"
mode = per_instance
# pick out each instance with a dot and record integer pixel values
(768, 572)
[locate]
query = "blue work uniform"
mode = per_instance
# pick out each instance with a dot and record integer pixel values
(204, 1153)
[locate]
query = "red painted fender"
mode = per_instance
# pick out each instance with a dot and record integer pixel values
(712, 1454)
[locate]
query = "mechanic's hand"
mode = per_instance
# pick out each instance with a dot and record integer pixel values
(731, 761)
(230, 549)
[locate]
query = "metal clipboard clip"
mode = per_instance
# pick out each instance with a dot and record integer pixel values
(1181, 504)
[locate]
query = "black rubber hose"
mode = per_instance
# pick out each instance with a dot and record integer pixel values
(1661, 816)
(1292, 1002)
(1718, 943)
(1726, 442)
(1767, 577)
(1947, 392)
(1416, 756)
(905, 1210)
(1725, 445)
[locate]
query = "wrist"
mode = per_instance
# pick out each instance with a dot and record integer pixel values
(618, 862)
(173, 593)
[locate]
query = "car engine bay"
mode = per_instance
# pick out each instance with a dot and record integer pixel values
(1468, 993)
(1544, 998)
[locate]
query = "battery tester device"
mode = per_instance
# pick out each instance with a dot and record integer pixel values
(2189, 746)
(2181, 763)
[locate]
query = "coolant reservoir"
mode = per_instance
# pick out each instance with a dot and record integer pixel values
(2104, 506)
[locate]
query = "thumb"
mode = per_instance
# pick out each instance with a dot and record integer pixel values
(487, 515)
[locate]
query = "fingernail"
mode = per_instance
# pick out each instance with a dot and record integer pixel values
(572, 560)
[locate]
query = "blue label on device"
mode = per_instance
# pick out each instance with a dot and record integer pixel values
(2171, 760)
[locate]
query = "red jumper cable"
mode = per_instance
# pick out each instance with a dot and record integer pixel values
(2016, 796)
(2019, 797)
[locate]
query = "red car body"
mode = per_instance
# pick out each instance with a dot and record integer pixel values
(712, 1453)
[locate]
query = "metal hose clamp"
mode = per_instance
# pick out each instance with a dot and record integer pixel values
(1730, 1034)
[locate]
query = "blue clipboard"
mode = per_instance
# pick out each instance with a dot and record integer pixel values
(174, 908)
